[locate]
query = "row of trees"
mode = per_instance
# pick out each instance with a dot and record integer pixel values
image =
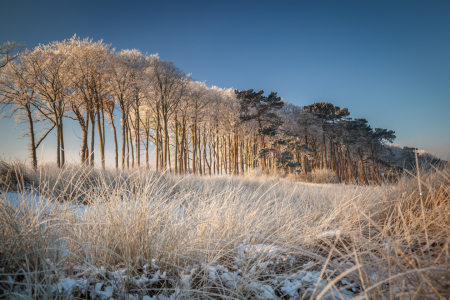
(195, 128)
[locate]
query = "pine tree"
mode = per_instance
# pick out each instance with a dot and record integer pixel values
(255, 106)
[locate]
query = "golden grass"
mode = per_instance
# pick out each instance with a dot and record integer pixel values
(388, 242)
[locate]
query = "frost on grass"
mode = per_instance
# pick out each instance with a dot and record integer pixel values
(259, 280)
(158, 236)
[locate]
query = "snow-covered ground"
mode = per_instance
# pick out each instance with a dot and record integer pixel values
(152, 283)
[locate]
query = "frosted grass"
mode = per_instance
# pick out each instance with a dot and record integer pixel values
(227, 237)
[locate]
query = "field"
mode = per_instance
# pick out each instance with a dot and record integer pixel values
(83, 233)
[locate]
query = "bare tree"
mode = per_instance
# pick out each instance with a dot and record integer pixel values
(10, 51)
(90, 82)
(121, 69)
(17, 92)
(138, 65)
(168, 83)
(47, 66)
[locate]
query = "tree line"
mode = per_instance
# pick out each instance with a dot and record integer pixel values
(195, 128)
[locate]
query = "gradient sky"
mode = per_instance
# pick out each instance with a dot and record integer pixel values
(386, 61)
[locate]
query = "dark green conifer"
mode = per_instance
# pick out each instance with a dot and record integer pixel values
(255, 106)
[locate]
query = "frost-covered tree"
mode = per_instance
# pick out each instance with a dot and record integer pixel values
(9, 51)
(17, 92)
(89, 71)
(121, 80)
(206, 130)
(139, 69)
(168, 84)
(48, 69)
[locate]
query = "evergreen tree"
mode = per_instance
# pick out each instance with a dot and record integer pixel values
(328, 114)
(255, 106)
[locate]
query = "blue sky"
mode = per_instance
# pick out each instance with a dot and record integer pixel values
(386, 61)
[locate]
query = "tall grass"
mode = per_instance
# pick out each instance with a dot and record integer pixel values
(86, 223)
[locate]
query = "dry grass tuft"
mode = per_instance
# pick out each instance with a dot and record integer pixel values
(123, 233)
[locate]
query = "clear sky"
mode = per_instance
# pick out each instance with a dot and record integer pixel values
(386, 61)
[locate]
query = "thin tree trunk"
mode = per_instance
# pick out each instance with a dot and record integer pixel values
(351, 165)
(176, 145)
(147, 134)
(124, 139)
(116, 147)
(324, 152)
(199, 152)
(186, 156)
(84, 141)
(128, 145)
(32, 137)
(217, 149)
(166, 137)
(61, 136)
(92, 162)
(157, 137)
(58, 144)
(103, 129)
(131, 147)
(363, 173)
(137, 133)
(194, 148)
(100, 137)
(242, 156)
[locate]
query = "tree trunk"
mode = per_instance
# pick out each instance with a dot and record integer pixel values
(32, 137)
(128, 145)
(147, 134)
(374, 168)
(324, 152)
(263, 158)
(84, 141)
(363, 173)
(61, 136)
(157, 137)
(137, 133)
(176, 145)
(116, 147)
(103, 129)
(186, 155)
(224, 142)
(199, 151)
(217, 149)
(100, 137)
(166, 136)
(124, 139)
(131, 147)
(92, 138)
(58, 144)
